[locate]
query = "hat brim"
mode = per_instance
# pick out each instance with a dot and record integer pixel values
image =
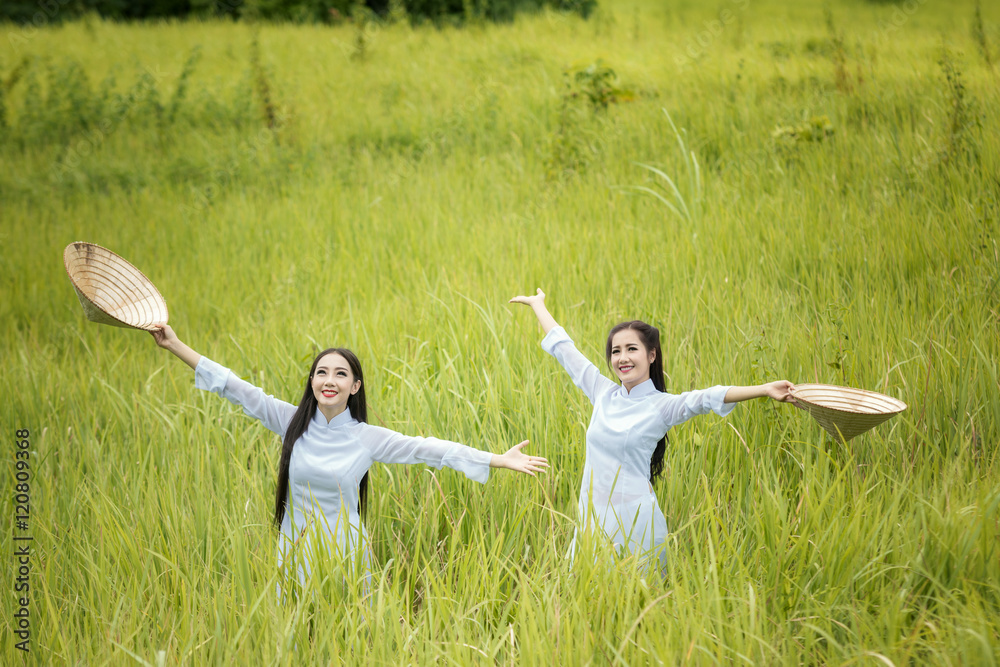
(111, 290)
(845, 412)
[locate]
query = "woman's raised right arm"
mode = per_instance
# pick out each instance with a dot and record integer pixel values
(557, 343)
(168, 340)
(275, 414)
(537, 303)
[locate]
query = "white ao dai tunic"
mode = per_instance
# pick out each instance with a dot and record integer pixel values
(626, 425)
(326, 467)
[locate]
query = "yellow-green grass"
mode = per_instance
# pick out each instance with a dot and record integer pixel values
(402, 199)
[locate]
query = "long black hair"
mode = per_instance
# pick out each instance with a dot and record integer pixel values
(650, 337)
(356, 403)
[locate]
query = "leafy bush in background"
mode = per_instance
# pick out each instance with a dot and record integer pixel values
(300, 11)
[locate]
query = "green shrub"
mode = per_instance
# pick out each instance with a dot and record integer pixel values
(296, 11)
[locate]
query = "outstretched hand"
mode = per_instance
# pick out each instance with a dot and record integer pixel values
(168, 340)
(515, 459)
(780, 390)
(537, 304)
(164, 335)
(538, 298)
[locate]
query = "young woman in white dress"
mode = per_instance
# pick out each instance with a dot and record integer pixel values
(328, 447)
(626, 438)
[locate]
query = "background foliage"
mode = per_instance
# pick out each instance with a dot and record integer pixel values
(43, 12)
(388, 188)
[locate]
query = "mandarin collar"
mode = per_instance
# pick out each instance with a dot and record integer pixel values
(640, 390)
(340, 420)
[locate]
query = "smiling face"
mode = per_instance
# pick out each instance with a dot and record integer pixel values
(332, 383)
(630, 359)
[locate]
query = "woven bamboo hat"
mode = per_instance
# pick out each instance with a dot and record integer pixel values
(111, 290)
(846, 412)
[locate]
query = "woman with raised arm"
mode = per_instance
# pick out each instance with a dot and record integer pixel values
(328, 447)
(626, 438)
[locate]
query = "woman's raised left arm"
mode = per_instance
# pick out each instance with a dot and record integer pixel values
(387, 446)
(779, 390)
(678, 408)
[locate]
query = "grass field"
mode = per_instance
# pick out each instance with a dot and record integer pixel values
(388, 189)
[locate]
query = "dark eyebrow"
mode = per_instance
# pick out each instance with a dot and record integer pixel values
(336, 368)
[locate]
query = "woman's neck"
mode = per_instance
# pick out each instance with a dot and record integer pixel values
(331, 412)
(629, 386)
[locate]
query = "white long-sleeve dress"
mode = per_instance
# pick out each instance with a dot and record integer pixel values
(328, 461)
(615, 493)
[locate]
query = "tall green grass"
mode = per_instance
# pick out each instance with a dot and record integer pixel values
(393, 206)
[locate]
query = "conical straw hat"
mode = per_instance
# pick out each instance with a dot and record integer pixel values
(111, 290)
(843, 411)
